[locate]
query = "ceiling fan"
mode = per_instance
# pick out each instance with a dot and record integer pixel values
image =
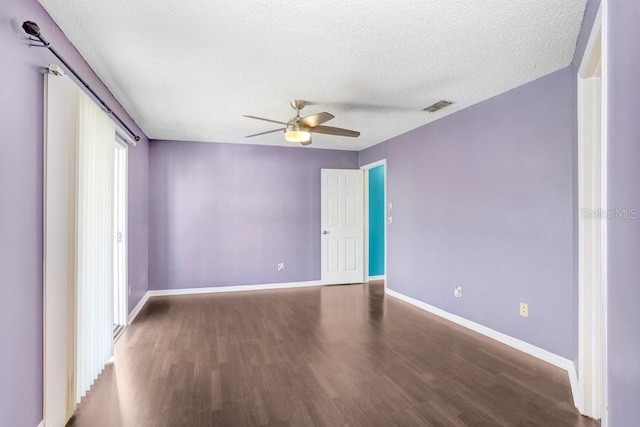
(299, 129)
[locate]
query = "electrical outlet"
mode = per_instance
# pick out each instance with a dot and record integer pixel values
(280, 266)
(129, 288)
(390, 220)
(457, 292)
(524, 309)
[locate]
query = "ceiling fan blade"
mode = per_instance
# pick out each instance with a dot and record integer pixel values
(334, 131)
(264, 133)
(316, 119)
(264, 120)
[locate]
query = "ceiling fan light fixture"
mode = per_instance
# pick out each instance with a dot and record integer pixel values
(297, 133)
(297, 136)
(299, 129)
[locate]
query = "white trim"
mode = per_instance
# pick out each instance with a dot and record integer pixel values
(525, 347)
(604, 141)
(239, 288)
(41, 424)
(223, 289)
(575, 384)
(365, 239)
(592, 249)
(375, 164)
(366, 167)
(137, 308)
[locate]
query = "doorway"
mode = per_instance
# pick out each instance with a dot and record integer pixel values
(376, 210)
(120, 293)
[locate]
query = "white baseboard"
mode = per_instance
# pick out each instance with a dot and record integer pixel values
(41, 424)
(137, 308)
(239, 288)
(525, 347)
(575, 387)
(220, 289)
(370, 278)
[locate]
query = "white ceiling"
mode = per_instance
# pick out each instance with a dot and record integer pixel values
(189, 70)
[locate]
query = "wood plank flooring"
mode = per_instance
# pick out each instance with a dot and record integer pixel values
(323, 356)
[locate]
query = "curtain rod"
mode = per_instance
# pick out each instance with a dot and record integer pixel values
(32, 29)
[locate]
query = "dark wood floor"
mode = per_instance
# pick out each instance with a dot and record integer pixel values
(330, 356)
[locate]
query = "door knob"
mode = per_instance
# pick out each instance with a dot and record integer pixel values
(325, 232)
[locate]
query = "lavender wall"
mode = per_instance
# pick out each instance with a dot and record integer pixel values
(226, 214)
(624, 192)
(21, 130)
(483, 199)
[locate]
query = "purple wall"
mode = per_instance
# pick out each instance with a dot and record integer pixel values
(483, 199)
(21, 112)
(624, 192)
(223, 214)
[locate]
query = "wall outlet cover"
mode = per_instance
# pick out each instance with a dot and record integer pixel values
(524, 309)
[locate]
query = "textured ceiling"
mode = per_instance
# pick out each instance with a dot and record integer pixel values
(189, 70)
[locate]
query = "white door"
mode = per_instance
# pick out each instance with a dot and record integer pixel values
(342, 226)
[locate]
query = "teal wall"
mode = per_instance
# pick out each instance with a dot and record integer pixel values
(376, 221)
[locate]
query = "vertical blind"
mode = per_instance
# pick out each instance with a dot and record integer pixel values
(59, 191)
(94, 275)
(78, 256)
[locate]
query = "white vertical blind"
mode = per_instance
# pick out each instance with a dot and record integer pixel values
(94, 252)
(60, 146)
(78, 246)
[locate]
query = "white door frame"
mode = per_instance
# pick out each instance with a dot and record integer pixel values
(124, 294)
(365, 169)
(592, 230)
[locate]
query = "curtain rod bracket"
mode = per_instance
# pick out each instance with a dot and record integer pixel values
(37, 43)
(33, 30)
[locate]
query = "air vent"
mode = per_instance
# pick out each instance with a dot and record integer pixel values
(438, 106)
